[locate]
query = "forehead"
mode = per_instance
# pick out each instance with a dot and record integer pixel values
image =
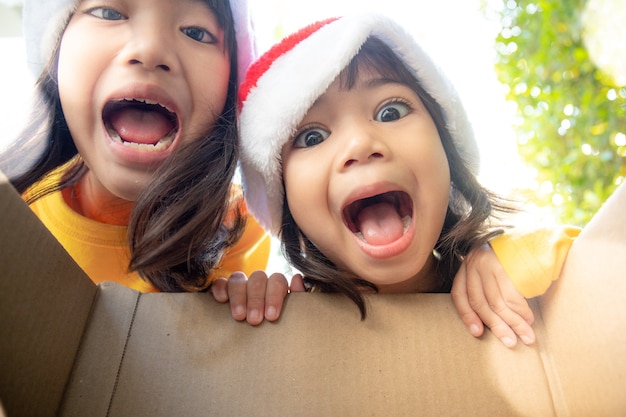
(377, 58)
(364, 79)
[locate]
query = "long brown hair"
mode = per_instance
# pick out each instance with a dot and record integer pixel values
(466, 223)
(178, 230)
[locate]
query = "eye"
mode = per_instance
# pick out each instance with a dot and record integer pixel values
(310, 137)
(392, 111)
(105, 13)
(199, 34)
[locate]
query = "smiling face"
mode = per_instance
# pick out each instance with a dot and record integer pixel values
(138, 79)
(367, 181)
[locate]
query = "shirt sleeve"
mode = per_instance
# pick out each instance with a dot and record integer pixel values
(533, 259)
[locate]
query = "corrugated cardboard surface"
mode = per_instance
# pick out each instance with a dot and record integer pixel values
(45, 301)
(585, 316)
(186, 356)
(68, 347)
(95, 376)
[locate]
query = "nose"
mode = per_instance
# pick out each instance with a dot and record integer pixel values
(361, 144)
(150, 48)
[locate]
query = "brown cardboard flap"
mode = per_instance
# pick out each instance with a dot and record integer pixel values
(585, 315)
(68, 347)
(95, 377)
(187, 356)
(45, 299)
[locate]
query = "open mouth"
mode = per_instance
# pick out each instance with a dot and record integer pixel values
(380, 219)
(140, 123)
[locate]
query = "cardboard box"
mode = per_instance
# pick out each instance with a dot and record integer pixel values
(70, 348)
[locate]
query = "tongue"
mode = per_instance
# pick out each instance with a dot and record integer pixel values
(380, 224)
(140, 125)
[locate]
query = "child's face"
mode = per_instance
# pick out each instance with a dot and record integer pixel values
(367, 181)
(137, 79)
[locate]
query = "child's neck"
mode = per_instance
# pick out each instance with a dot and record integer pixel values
(89, 201)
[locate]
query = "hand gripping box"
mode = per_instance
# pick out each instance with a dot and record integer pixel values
(71, 348)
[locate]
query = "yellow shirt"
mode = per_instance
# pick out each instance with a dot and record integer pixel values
(102, 251)
(534, 258)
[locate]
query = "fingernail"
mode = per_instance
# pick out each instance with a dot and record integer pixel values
(508, 342)
(271, 312)
(254, 315)
(474, 330)
(240, 311)
(527, 340)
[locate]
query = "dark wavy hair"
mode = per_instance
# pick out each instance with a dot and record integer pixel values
(466, 223)
(178, 230)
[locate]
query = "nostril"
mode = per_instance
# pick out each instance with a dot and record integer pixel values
(164, 67)
(376, 155)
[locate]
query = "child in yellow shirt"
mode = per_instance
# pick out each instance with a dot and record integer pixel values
(132, 147)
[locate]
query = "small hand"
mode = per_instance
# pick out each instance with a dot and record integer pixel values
(257, 297)
(483, 293)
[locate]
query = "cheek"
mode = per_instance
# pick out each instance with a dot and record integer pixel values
(443, 186)
(441, 170)
(304, 191)
(435, 161)
(65, 73)
(294, 186)
(77, 74)
(210, 89)
(433, 176)
(75, 59)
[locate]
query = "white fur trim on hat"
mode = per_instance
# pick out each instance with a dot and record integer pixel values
(43, 22)
(282, 85)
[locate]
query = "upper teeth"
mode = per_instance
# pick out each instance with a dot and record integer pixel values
(148, 101)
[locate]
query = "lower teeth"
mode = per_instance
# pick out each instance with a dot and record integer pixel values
(406, 221)
(163, 143)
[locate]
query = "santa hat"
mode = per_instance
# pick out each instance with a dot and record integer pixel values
(45, 20)
(283, 84)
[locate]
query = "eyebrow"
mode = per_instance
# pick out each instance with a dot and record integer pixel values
(380, 81)
(370, 83)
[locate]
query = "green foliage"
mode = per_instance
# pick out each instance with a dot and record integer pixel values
(571, 118)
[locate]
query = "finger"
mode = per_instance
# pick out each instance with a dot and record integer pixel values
(497, 315)
(515, 300)
(297, 284)
(518, 315)
(219, 289)
(461, 302)
(523, 330)
(479, 303)
(237, 288)
(484, 274)
(257, 284)
(277, 289)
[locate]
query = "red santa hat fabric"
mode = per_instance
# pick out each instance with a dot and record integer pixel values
(283, 84)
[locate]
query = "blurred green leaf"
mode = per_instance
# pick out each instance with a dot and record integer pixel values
(569, 112)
